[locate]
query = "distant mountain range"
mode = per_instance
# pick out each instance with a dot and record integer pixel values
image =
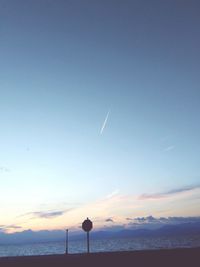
(167, 230)
(30, 236)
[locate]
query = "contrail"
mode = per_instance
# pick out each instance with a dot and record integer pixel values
(105, 122)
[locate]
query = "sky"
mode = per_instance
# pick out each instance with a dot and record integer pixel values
(99, 111)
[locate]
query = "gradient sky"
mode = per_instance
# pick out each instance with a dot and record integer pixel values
(99, 111)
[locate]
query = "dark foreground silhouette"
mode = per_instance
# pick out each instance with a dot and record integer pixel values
(173, 257)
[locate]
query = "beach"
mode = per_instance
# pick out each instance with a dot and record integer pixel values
(165, 257)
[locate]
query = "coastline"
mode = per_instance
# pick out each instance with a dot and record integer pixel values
(164, 257)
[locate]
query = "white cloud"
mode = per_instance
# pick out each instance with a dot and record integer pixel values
(105, 122)
(4, 169)
(169, 148)
(112, 194)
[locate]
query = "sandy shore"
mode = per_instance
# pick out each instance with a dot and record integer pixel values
(173, 257)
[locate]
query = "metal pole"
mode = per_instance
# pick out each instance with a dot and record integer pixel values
(88, 245)
(66, 241)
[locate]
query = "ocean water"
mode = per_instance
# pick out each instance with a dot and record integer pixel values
(123, 244)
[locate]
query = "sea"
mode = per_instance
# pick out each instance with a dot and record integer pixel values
(101, 245)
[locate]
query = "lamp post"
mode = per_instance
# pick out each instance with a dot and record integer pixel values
(67, 247)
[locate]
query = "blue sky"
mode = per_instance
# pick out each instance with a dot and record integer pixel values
(63, 66)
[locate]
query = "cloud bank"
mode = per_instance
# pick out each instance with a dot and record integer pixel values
(151, 222)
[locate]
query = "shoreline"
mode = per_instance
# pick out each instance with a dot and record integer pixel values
(163, 257)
